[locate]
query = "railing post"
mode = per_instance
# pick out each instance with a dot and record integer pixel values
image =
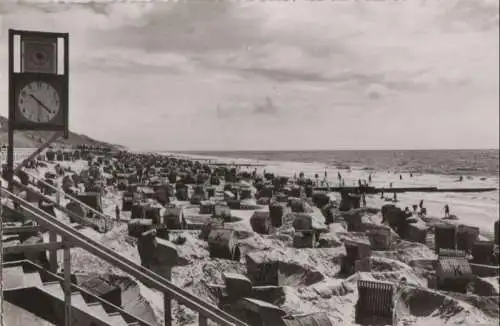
(67, 285)
(167, 302)
(202, 320)
(53, 253)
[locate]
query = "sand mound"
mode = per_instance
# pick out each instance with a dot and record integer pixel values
(428, 304)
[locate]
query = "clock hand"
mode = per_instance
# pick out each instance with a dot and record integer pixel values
(41, 104)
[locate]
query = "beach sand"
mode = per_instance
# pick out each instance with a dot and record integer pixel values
(334, 295)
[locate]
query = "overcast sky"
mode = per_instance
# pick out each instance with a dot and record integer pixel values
(278, 75)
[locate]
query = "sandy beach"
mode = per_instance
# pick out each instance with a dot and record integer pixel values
(332, 294)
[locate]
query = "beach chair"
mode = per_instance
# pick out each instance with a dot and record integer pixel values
(138, 226)
(451, 253)
(260, 222)
(297, 192)
(453, 274)
(153, 214)
(417, 232)
(210, 192)
(445, 236)
(222, 211)
(466, 237)
(138, 211)
(276, 213)
(304, 239)
(207, 207)
(127, 201)
(173, 216)
(245, 194)
(182, 194)
(349, 201)
(320, 198)
(483, 252)
(222, 243)
(380, 238)
(196, 199)
(375, 303)
(355, 251)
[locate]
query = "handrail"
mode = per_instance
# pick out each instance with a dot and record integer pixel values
(144, 275)
(82, 204)
(84, 220)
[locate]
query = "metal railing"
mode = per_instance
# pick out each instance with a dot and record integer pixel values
(108, 219)
(76, 239)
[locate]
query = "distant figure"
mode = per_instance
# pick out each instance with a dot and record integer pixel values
(326, 175)
(390, 185)
(411, 175)
(381, 195)
(359, 182)
(446, 211)
(117, 212)
(339, 176)
(421, 204)
(461, 179)
(363, 200)
(395, 197)
(370, 178)
(415, 207)
(400, 177)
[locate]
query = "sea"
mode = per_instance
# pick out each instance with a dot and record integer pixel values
(474, 162)
(398, 168)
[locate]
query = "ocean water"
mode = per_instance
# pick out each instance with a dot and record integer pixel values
(475, 162)
(434, 168)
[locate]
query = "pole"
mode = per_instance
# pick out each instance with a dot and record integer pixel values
(67, 285)
(54, 137)
(10, 158)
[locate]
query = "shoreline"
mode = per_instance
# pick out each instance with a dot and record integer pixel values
(465, 206)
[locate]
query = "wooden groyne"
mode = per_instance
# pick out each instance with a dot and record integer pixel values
(373, 190)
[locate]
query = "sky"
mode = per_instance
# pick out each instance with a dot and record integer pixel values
(276, 75)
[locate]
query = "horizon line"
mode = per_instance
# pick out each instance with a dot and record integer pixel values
(326, 150)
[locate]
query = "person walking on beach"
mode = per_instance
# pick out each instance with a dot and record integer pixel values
(446, 211)
(117, 212)
(370, 178)
(400, 177)
(363, 200)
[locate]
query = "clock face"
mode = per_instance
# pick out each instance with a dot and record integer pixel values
(38, 102)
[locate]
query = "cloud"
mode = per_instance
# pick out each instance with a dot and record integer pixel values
(222, 74)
